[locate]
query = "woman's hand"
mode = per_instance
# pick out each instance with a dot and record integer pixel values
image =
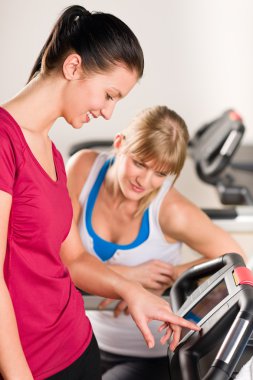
(122, 307)
(154, 274)
(145, 307)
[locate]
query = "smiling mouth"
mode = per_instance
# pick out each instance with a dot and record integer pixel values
(137, 189)
(89, 116)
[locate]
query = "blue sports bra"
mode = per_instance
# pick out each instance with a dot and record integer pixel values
(103, 248)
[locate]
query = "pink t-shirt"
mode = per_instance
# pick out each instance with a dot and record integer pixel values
(52, 323)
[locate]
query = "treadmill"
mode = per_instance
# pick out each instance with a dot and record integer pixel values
(218, 296)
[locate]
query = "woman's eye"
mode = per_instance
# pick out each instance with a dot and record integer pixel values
(138, 163)
(109, 97)
(161, 174)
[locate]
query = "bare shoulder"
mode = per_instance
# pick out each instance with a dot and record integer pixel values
(175, 203)
(177, 212)
(78, 168)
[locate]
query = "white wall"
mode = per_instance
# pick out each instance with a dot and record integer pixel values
(199, 57)
(199, 61)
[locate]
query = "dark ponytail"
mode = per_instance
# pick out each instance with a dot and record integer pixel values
(101, 39)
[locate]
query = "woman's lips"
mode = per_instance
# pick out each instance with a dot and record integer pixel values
(136, 188)
(89, 116)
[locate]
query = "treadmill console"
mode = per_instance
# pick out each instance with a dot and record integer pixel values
(218, 296)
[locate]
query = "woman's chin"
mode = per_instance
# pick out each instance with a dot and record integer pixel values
(78, 125)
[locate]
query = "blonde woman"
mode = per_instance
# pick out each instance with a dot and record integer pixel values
(132, 218)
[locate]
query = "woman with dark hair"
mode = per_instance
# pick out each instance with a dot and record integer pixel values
(89, 62)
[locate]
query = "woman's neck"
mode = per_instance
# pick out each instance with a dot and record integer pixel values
(37, 105)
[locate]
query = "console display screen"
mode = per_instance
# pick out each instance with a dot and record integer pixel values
(207, 303)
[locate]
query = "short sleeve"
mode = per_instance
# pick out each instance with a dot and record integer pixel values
(7, 165)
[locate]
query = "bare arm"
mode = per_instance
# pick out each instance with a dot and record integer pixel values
(92, 276)
(13, 364)
(153, 274)
(182, 221)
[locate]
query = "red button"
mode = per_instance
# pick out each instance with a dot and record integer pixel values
(243, 275)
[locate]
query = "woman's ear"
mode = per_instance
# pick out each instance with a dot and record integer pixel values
(118, 139)
(72, 67)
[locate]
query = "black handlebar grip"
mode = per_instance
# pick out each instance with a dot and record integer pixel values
(180, 289)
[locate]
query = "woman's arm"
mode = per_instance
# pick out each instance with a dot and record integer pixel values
(92, 276)
(183, 221)
(13, 364)
(154, 274)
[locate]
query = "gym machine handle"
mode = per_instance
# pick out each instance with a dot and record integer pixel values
(232, 348)
(213, 166)
(214, 145)
(187, 282)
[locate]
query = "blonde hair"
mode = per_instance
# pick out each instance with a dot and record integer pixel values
(161, 135)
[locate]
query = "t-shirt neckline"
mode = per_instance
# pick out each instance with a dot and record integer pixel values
(21, 135)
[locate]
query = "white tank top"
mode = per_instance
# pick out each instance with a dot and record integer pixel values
(120, 335)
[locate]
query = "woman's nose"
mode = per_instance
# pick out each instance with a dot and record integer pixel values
(145, 180)
(107, 111)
